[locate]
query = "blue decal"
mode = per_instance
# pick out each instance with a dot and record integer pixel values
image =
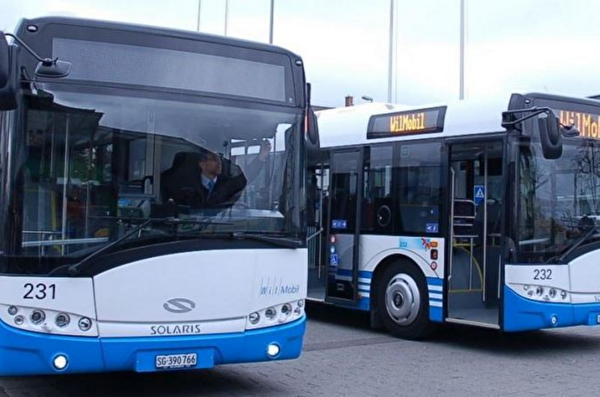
(338, 224)
(431, 228)
(478, 194)
(334, 259)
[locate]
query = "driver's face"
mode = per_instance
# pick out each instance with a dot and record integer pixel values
(211, 165)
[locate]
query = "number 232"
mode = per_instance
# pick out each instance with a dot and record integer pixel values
(542, 274)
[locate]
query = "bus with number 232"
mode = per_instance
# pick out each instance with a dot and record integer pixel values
(475, 213)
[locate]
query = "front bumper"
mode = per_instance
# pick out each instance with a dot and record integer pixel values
(522, 314)
(29, 353)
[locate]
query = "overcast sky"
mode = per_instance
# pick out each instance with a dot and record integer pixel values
(541, 45)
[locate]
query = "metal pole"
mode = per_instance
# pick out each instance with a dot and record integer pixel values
(199, 13)
(389, 98)
(66, 167)
(462, 51)
(226, 15)
(272, 21)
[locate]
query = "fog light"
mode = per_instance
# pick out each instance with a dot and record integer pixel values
(270, 313)
(60, 362)
(85, 324)
(62, 320)
(563, 294)
(12, 310)
(37, 317)
(554, 320)
(19, 320)
(254, 318)
(273, 350)
(301, 303)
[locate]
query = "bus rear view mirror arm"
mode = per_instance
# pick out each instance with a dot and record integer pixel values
(550, 129)
(8, 74)
(47, 67)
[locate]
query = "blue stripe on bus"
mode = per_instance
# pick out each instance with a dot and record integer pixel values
(435, 314)
(435, 281)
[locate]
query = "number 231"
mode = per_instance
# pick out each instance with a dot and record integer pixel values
(39, 291)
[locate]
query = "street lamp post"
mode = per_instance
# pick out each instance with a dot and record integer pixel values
(272, 21)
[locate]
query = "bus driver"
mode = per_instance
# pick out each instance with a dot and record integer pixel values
(197, 179)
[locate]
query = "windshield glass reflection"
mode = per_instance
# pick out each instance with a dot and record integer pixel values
(559, 200)
(94, 167)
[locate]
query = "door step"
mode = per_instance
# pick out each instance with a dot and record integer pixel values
(474, 323)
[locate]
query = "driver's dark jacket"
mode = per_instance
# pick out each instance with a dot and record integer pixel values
(183, 183)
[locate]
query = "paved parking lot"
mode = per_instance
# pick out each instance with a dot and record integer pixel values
(343, 356)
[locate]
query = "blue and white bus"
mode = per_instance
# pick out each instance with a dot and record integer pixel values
(477, 213)
(107, 261)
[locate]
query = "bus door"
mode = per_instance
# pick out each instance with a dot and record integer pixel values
(343, 225)
(317, 203)
(476, 192)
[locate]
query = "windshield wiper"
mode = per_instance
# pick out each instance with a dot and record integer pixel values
(575, 244)
(286, 242)
(76, 268)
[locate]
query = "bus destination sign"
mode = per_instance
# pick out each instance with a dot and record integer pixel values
(410, 122)
(588, 124)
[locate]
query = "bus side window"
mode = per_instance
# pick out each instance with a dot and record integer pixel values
(377, 206)
(419, 184)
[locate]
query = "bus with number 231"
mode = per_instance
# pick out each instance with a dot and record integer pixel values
(108, 260)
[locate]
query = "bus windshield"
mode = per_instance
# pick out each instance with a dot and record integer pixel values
(559, 200)
(95, 164)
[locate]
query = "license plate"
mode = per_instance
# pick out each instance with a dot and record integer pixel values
(176, 360)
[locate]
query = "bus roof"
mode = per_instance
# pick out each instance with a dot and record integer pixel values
(147, 29)
(348, 126)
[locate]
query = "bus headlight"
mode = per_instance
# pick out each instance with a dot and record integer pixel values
(552, 293)
(539, 291)
(563, 294)
(270, 313)
(286, 309)
(62, 320)
(254, 318)
(12, 310)
(37, 316)
(19, 320)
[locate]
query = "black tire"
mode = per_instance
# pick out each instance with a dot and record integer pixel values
(405, 312)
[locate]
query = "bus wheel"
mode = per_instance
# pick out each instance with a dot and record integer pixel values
(402, 301)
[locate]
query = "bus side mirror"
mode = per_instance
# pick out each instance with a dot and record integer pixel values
(8, 74)
(313, 128)
(550, 136)
(313, 144)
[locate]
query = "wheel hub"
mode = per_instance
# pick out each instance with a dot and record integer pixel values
(402, 299)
